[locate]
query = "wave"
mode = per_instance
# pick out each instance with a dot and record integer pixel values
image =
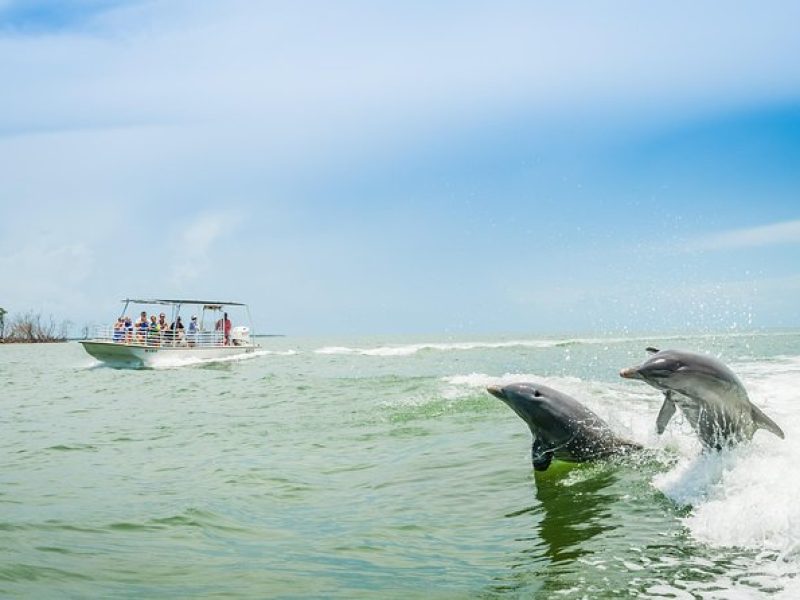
(410, 349)
(541, 343)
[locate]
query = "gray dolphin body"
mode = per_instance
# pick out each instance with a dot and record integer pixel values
(708, 393)
(562, 427)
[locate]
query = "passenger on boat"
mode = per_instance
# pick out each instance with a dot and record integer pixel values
(128, 330)
(176, 330)
(142, 327)
(154, 332)
(119, 330)
(224, 325)
(163, 327)
(191, 334)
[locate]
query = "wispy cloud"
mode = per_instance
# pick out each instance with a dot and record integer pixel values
(787, 232)
(362, 67)
(192, 254)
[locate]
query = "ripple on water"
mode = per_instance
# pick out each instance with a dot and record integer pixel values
(72, 448)
(17, 572)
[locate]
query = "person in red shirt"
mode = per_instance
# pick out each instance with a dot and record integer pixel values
(224, 325)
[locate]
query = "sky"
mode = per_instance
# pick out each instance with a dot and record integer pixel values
(356, 167)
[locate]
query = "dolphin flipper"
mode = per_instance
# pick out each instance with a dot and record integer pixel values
(541, 456)
(666, 412)
(763, 421)
(542, 462)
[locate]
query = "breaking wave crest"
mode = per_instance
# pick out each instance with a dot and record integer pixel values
(409, 349)
(400, 350)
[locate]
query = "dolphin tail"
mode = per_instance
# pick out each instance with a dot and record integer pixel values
(763, 421)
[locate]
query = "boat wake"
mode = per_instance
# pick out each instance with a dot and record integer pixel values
(176, 362)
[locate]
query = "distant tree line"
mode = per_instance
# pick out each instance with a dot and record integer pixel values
(31, 327)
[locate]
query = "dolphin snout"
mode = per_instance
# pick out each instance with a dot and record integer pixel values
(630, 373)
(496, 391)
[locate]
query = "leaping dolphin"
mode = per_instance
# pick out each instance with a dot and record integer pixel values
(562, 428)
(708, 393)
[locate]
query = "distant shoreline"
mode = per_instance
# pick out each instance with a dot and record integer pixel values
(15, 341)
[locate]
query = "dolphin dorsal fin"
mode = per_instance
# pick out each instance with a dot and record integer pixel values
(763, 421)
(652, 350)
(666, 412)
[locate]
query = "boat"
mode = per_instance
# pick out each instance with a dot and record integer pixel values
(209, 334)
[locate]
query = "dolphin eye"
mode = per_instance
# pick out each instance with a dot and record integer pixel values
(536, 393)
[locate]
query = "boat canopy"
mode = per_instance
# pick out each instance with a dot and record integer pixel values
(208, 303)
(177, 305)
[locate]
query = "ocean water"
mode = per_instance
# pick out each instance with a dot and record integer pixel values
(380, 467)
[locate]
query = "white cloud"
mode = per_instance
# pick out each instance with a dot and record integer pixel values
(192, 250)
(787, 232)
(294, 73)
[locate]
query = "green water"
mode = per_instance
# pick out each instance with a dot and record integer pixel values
(381, 468)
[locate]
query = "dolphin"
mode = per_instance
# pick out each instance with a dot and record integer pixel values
(709, 394)
(562, 427)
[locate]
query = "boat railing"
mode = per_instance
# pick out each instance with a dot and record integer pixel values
(161, 339)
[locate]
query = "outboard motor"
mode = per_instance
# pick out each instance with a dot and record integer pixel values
(240, 336)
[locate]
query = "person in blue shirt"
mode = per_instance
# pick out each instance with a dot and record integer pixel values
(191, 332)
(142, 327)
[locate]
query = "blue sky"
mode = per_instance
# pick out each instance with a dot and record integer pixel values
(375, 167)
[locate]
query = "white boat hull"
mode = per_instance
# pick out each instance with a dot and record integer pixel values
(138, 355)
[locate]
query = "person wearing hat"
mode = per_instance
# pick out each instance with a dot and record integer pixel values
(191, 332)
